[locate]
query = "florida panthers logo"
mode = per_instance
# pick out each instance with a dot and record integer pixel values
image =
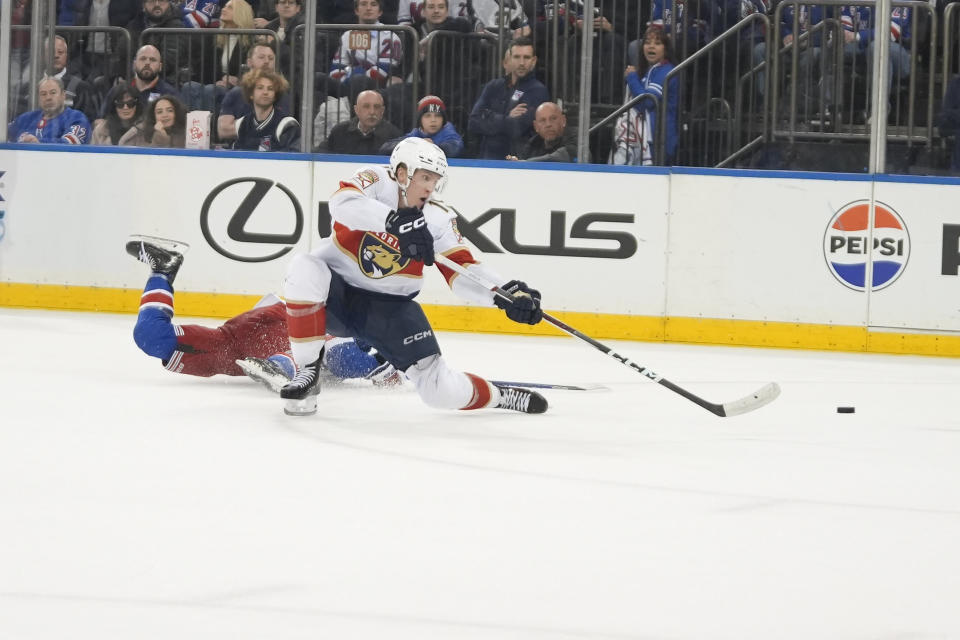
(377, 259)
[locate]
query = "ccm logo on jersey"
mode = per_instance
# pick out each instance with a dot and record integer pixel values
(420, 335)
(407, 227)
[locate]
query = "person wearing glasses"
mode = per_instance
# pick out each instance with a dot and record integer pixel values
(126, 109)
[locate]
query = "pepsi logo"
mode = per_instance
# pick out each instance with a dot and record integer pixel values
(850, 249)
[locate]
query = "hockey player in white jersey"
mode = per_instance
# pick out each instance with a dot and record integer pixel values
(362, 280)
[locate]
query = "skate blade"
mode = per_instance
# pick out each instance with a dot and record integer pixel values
(164, 243)
(273, 382)
(304, 407)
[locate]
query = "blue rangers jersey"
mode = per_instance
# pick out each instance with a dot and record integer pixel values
(70, 127)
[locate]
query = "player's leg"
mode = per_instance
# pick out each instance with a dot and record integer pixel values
(306, 289)
(401, 332)
(345, 358)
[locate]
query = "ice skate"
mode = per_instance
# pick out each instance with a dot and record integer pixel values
(300, 394)
(165, 260)
(522, 400)
(265, 371)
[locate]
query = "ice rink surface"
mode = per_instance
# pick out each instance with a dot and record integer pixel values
(141, 504)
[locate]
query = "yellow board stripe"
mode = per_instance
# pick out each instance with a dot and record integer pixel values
(780, 335)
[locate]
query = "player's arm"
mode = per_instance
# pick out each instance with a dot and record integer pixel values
(525, 307)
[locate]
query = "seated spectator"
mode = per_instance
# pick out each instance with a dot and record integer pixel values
(126, 110)
(553, 141)
(53, 122)
(218, 68)
(609, 45)
(487, 17)
(433, 127)
(367, 59)
(948, 120)
(161, 14)
(432, 15)
(364, 134)
(809, 53)
(289, 17)
(269, 127)
(80, 94)
(147, 67)
(858, 43)
(234, 105)
(165, 126)
(104, 55)
(657, 53)
(503, 114)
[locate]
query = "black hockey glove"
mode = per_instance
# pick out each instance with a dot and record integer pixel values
(410, 228)
(525, 307)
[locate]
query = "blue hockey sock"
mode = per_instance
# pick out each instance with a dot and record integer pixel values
(154, 332)
(347, 360)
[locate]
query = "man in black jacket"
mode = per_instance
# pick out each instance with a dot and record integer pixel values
(553, 141)
(364, 134)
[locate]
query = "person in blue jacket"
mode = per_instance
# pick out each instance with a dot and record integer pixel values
(656, 62)
(433, 127)
(503, 114)
(53, 122)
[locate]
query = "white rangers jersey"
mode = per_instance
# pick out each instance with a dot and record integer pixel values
(377, 54)
(367, 257)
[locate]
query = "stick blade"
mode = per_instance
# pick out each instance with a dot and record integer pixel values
(761, 397)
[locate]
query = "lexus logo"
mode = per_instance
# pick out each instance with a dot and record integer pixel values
(231, 205)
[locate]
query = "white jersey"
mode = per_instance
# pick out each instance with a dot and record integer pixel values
(367, 257)
(368, 51)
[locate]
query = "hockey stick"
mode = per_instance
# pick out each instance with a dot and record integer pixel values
(544, 385)
(762, 396)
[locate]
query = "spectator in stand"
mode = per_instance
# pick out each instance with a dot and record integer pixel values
(656, 64)
(414, 12)
(609, 46)
(146, 77)
(487, 16)
(218, 68)
(858, 43)
(235, 105)
(687, 22)
(433, 127)
(367, 59)
(948, 120)
(289, 17)
(103, 55)
(269, 127)
(53, 122)
(126, 110)
(162, 14)
(553, 141)
(434, 15)
(365, 133)
(809, 52)
(80, 94)
(503, 115)
(165, 126)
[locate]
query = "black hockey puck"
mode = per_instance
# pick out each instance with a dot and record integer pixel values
(845, 409)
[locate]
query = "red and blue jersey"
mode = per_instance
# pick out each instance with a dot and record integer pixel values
(70, 127)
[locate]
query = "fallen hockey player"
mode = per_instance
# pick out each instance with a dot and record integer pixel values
(253, 343)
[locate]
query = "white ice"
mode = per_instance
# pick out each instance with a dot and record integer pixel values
(140, 504)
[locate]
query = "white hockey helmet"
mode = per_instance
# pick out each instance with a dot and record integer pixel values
(416, 153)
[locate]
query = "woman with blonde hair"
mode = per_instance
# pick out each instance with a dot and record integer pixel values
(220, 69)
